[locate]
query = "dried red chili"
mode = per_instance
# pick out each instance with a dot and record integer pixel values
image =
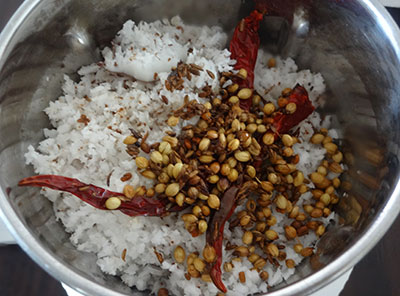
(244, 49)
(97, 196)
(215, 233)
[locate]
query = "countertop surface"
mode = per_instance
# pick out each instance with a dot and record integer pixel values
(376, 275)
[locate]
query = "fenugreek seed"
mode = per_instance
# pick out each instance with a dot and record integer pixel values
(245, 220)
(172, 189)
(307, 252)
(213, 201)
(290, 263)
(331, 148)
(130, 140)
(291, 108)
(264, 275)
(233, 88)
(205, 210)
(322, 170)
(287, 140)
(129, 191)
(335, 168)
(242, 277)
(245, 93)
(273, 178)
(251, 171)
(330, 190)
(271, 234)
(204, 144)
(209, 254)
(141, 162)
(234, 99)
(308, 208)
(203, 196)
(242, 73)
(148, 174)
(251, 128)
(156, 157)
(179, 254)
(336, 182)
(320, 230)
(290, 232)
(233, 145)
(173, 121)
(317, 178)
(273, 250)
(316, 213)
(268, 138)
(269, 108)
(113, 203)
(206, 159)
(247, 237)
(317, 138)
(281, 202)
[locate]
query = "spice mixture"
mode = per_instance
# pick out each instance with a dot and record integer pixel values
(223, 147)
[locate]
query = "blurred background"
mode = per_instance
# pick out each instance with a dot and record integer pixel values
(376, 275)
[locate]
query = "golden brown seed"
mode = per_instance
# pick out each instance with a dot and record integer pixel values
(271, 63)
(193, 192)
(273, 178)
(242, 277)
(233, 88)
(235, 125)
(317, 178)
(225, 169)
(233, 145)
(242, 156)
(287, 140)
(253, 257)
(290, 263)
(113, 203)
(165, 148)
(291, 108)
(234, 99)
(288, 152)
(156, 157)
(299, 179)
(260, 263)
(179, 199)
(177, 170)
(129, 191)
(233, 175)
(295, 211)
(322, 170)
(204, 144)
(130, 140)
(261, 128)
(203, 196)
(245, 93)
(316, 213)
(199, 264)
(247, 237)
(173, 121)
(215, 167)
(160, 188)
(212, 134)
(208, 105)
(242, 73)
(206, 159)
(213, 201)
(273, 250)
(336, 182)
(209, 253)
(191, 258)
(256, 100)
(268, 138)
(251, 128)
(317, 138)
(141, 162)
(337, 157)
(267, 186)
(171, 140)
(189, 218)
(269, 108)
(271, 221)
(325, 198)
(330, 190)
(271, 234)
(196, 210)
(163, 177)
(308, 208)
(150, 192)
(245, 220)
(335, 168)
(202, 124)
(232, 162)
(213, 179)
(179, 254)
(290, 232)
(298, 248)
(264, 275)
(148, 174)
(242, 251)
(281, 202)
(301, 217)
(206, 278)
(205, 210)
(327, 139)
(320, 230)
(172, 189)
(228, 267)
(307, 252)
(193, 271)
(331, 148)
(162, 292)
(251, 171)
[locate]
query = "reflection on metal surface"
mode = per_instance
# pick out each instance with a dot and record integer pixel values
(361, 67)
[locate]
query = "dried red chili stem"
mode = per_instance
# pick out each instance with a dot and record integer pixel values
(244, 49)
(97, 196)
(215, 233)
(285, 122)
